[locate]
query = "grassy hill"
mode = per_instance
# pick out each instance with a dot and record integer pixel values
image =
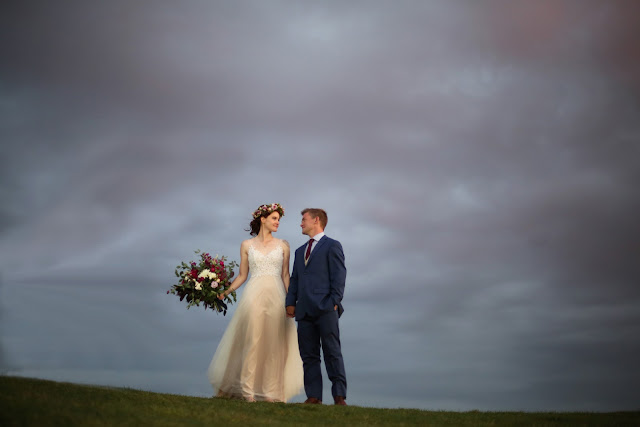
(25, 401)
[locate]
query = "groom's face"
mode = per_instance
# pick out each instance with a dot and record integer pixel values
(307, 224)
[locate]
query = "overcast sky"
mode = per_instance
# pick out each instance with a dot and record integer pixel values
(479, 161)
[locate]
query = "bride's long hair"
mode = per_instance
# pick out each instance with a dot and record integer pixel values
(254, 226)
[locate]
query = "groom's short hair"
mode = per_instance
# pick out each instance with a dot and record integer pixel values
(317, 213)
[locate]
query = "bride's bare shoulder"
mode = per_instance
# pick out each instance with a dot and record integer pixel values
(246, 243)
(283, 242)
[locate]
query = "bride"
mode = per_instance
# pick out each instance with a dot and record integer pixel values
(258, 356)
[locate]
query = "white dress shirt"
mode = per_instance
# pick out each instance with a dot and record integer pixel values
(315, 238)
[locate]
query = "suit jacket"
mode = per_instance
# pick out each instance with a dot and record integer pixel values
(317, 287)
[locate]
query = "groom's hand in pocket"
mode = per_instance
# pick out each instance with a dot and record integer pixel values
(291, 311)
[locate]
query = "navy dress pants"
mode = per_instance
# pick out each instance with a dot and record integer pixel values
(312, 332)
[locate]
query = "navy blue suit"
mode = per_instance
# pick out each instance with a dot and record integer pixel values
(314, 290)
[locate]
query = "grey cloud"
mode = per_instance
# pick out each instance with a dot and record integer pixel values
(478, 163)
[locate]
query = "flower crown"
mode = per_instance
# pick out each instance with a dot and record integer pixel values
(268, 209)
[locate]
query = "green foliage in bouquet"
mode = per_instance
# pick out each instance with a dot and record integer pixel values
(202, 282)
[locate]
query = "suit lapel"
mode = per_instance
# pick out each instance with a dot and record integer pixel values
(300, 256)
(315, 249)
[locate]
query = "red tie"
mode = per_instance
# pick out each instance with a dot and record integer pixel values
(306, 256)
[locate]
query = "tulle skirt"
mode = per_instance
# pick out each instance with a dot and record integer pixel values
(258, 356)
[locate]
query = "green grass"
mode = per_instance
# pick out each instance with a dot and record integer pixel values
(25, 401)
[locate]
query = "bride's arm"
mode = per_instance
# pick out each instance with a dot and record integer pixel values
(244, 269)
(285, 265)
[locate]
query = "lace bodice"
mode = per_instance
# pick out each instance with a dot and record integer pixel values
(265, 264)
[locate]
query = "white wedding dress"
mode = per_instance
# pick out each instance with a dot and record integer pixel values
(258, 356)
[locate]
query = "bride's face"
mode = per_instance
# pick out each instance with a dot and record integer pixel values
(272, 222)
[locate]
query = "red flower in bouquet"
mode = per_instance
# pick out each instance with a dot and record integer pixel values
(202, 282)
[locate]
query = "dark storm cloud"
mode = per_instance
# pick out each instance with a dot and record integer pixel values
(4, 363)
(479, 164)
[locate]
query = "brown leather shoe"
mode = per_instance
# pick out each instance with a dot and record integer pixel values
(339, 400)
(313, 400)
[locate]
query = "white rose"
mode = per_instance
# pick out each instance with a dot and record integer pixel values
(204, 273)
(198, 286)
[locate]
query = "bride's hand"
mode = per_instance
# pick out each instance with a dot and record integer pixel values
(221, 296)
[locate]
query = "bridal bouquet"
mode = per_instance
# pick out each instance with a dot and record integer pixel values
(201, 282)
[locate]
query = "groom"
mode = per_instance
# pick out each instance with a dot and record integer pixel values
(314, 299)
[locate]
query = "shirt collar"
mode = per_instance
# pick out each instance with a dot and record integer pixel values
(318, 236)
